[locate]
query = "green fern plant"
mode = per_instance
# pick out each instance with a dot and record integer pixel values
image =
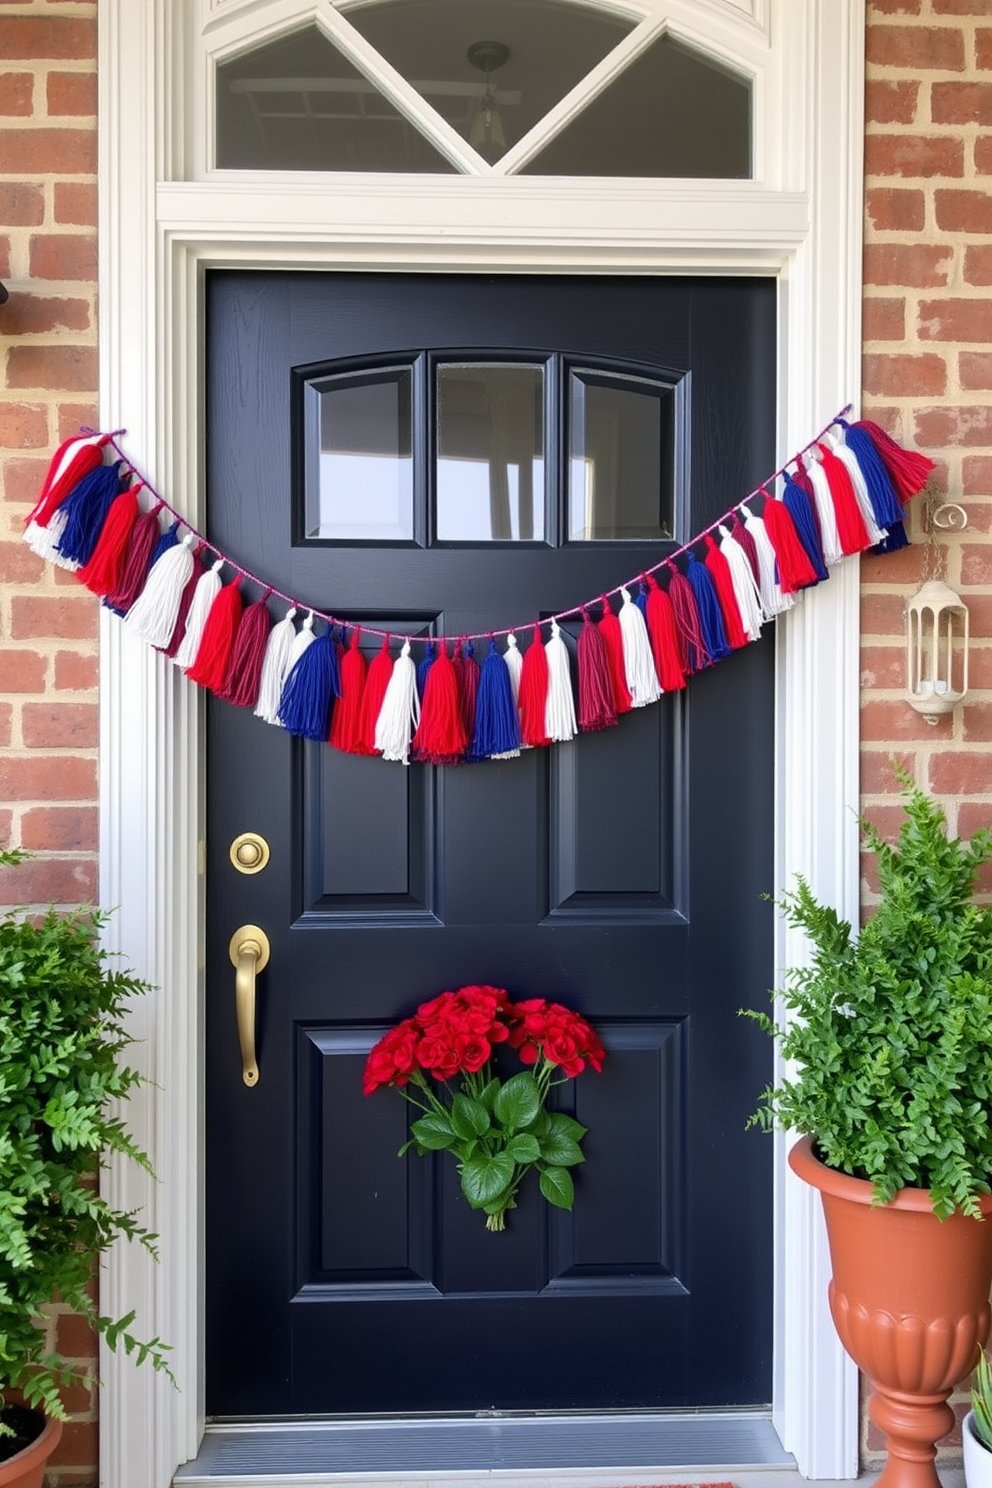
(890, 1030)
(981, 1400)
(62, 1035)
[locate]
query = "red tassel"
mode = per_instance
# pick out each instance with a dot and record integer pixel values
(533, 698)
(244, 670)
(469, 673)
(103, 573)
(375, 691)
(217, 642)
(182, 614)
(686, 612)
(609, 629)
(666, 642)
(740, 533)
(851, 527)
(346, 724)
(441, 738)
(795, 571)
(597, 709)
(141, 544)
(73, 459)
(720, 571)
(908, 469)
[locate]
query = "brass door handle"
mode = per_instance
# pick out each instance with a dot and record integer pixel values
(249, 951)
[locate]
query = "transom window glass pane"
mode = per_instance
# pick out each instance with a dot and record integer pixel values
(493, 68)
(672, 112)
(621, 465)
(298, 104)
(490, 453)
(360, 456)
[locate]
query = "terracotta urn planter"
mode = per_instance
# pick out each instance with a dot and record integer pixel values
(910, 1300)
(26, 1468)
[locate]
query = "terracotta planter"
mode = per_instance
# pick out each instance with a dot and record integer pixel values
(910, 1300)
(27, 1468)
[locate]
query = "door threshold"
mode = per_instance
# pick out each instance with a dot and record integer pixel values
(579, 1450)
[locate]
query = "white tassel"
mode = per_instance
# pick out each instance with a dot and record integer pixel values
(559, 710)
(44, 540)
(746, 591)
(825, 511)
(850, 463)
(514, 664)
(400, 711)
(773, 601)
(155, 611)
(275, 667)
(638, 661)
(206, 591)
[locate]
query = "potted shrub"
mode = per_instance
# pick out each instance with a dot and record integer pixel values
(889, 1050)
(62, 1008)
(976, 1431)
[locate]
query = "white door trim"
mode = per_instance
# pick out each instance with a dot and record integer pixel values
(155, 242)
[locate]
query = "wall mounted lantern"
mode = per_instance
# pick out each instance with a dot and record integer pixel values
(937, 632)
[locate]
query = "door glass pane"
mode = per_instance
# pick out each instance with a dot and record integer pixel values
(528, 53)
(359, 456)
(672, 112)
(298, 104)
(621, 465)
(490, 453)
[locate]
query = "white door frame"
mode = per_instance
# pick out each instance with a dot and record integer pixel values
(156, 237)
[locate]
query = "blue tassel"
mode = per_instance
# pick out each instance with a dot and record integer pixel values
(797, 504)
(309, 691)
(169, 539)
(894, 539)
(710, 614)
(86, 508)
(641, 600)
(423, 667)
(882, 493)
(497, 723)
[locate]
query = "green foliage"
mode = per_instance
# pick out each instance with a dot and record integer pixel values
(889, 1030)
(981, 1400)
(62, 1037)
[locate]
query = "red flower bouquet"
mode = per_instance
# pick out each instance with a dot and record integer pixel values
(498, 1129)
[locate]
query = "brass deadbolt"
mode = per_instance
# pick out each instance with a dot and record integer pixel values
(249, 852)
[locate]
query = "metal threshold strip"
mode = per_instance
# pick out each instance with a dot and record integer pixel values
(615, 1451)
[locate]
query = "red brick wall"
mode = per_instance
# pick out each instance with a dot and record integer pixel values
(48, 384)
(927, 378)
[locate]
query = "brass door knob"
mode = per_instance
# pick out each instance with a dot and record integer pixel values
(249, 852)
(249, 952)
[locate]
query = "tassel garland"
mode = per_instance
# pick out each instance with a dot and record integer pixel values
(844, 493)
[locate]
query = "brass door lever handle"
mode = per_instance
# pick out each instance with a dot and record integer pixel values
(249, 951)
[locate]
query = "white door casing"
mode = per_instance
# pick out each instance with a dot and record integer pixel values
(165, 216)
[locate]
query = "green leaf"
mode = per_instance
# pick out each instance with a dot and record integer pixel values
(484, 1178)
(560, 1150)
(518, 1102)
(432, 1133)
(489, 1094)
(557, 1187)
(469, 1118)
(566, 1125)
(524, 1148)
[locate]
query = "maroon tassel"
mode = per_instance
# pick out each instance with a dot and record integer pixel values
(666, 642)
(795, 570)
(441, 738)
(741, 534)
(908, 469)
(469, 673)
(533, 698)
(609, 629)
(376, 683)
(346, 724)
(103, 573)
(244, 670)
(723, 583)
(851, 527)
(182, 614)
(686, 612)
(217, 642)
(597, 709)
(144, 535)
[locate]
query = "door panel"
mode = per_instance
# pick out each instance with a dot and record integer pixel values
(620, 874)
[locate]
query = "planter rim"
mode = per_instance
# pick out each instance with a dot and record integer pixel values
(858, 1190)
(31, 1456)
